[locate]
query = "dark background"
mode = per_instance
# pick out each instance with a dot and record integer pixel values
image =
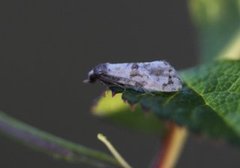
(47, 49)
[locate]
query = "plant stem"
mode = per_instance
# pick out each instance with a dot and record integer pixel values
(114, 152)
(52, 145)
(171, 148)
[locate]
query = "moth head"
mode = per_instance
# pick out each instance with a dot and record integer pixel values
(100, 69)
(91, 77)
(96, 72)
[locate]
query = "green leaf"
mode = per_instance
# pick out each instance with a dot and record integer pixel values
(219, 86)
(209, 102)
(218, 24)
(114, 109)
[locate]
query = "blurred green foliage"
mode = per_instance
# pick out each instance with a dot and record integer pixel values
(218, 25)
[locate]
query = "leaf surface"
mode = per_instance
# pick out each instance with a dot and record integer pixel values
(114, 109)
(209, 102)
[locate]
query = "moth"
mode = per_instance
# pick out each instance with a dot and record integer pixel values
(156, 76)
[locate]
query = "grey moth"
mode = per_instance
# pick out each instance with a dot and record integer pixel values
(155, 76)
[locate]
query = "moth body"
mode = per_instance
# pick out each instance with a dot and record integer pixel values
(156, 76)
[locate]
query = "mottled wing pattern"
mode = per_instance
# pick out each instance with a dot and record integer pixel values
(156, 76)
